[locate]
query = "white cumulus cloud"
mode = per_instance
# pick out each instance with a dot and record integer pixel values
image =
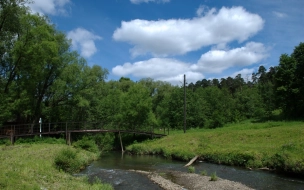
(83, 40)
(147, 1)
(170, 70)
(216, 61)
(52, 7)
(179, 36)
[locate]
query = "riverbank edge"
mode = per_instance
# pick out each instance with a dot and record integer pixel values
(31, 166)
(251, 160)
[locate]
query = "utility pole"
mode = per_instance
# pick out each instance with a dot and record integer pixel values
(185, 114)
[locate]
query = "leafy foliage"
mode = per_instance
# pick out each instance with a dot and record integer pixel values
(40, 77)
(86, 144)
(204, 173)
(67, 161)
(213, 177)
(191, 169)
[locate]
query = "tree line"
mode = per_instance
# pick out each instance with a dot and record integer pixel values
(41, 77)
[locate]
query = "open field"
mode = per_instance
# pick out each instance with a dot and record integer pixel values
(31, 166)
(274, 145)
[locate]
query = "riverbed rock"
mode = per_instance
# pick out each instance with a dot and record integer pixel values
(190, 181)
(198, 182)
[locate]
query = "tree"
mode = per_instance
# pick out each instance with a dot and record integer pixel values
(136, 108)
(11, 12)
(289, 83)
(265, 84)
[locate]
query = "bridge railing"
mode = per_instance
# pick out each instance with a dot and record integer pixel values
(61, 127)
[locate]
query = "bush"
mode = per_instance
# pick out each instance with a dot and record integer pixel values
(104, 141)
(191, 169)
(213, 177)
(36, 140)
(68, 161)
(5, 142)
(204, 173)
(86, 144)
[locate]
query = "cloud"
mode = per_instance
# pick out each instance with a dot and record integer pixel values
(179, 36)
(216, 61)
(147, 1)
(202, 9)
(245, 73)
(279, 14)
(52, 7)
(83, 40)
(170, 70)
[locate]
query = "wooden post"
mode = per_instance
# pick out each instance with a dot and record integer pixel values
(120, 141)
(12, 135)
(69, 138)
(49, 127)
(66, 133)
(12, 138)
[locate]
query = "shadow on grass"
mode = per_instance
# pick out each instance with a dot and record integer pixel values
(276, 118)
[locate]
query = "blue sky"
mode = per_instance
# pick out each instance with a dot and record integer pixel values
(165, 39)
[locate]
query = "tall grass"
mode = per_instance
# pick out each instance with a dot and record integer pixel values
(276, 145)
(32, 166)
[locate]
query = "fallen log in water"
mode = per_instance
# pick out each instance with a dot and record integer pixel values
(191, 161)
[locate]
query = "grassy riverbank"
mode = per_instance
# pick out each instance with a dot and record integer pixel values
(275, 145)
(31, 166)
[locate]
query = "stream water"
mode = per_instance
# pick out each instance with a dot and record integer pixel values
(113, 168)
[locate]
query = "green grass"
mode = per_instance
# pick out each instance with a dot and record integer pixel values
(32, 166)
(204, 173)
(213, 177)
(277, 145)
(191, 169)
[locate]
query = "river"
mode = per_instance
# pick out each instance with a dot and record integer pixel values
(113, 168)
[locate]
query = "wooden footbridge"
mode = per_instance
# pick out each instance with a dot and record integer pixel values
(13, 131)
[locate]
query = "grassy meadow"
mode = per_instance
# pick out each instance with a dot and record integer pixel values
(275, 145)
(31, 166)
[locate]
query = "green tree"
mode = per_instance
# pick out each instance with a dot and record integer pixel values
(11, 12)
(289, 83)
(136, 108)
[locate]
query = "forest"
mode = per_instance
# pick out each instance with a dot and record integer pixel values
(41, 77)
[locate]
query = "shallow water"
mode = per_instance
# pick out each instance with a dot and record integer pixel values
(113, 168)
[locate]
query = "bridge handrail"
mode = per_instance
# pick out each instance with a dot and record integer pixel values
(51, 127)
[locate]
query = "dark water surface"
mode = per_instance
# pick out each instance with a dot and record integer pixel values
(113, 168)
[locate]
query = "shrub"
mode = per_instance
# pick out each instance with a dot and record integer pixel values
(104, 141)
(213, 177)
(191, 169)
(68, 161)
(6, 142)
(204, 173)
(86, 144)
(37, 140)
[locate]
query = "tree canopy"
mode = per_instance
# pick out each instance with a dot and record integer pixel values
(41, 77)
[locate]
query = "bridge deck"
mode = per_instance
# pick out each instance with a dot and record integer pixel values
(12, 131)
